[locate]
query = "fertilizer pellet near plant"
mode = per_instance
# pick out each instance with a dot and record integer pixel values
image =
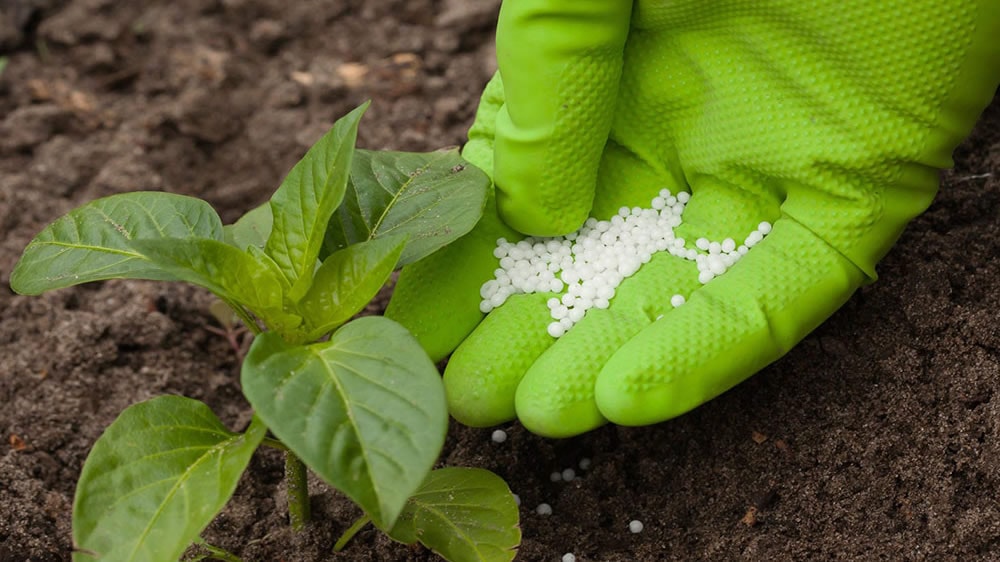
(587, 266)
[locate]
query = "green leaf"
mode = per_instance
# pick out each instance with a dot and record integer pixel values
(364, 410)
(463, 514)
(261, 257)
(302, 206)
(236, 277)
(96, 241)
(434, 197)
(3, 64)
(155, 480)
(252, 229)
(219, 267)
(347, 281)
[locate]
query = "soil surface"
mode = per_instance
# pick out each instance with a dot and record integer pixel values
(877, 438)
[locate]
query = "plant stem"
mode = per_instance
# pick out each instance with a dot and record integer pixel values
(298, 491)
(350, 532)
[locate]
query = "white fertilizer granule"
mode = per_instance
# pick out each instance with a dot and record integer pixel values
(585, 267)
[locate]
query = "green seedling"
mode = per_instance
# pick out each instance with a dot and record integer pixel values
(356, 401)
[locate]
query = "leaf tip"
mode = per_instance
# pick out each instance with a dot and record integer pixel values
(361, 109)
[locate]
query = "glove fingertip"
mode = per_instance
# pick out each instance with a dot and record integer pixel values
(479, 149)
(561, 63)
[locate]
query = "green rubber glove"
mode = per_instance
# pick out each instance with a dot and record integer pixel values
(830, 119)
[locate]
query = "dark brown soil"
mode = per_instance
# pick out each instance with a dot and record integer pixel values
(877, 438)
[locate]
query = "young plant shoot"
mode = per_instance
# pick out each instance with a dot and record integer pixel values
(358, 402)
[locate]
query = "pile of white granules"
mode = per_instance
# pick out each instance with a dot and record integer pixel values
(587, 266)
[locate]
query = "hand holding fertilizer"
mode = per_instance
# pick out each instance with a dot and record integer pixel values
(821, 124)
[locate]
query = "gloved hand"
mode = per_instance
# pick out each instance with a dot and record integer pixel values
(830, 119)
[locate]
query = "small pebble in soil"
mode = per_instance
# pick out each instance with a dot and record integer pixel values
(584, 463)
(568, 475)
(499, 436)
(543, 509)
(635, 526)
(569, 557)
(555, 476)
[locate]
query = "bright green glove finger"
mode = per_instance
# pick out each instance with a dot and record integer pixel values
(484, 372)
(556, 397)
(560, 61)
(728, 329)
